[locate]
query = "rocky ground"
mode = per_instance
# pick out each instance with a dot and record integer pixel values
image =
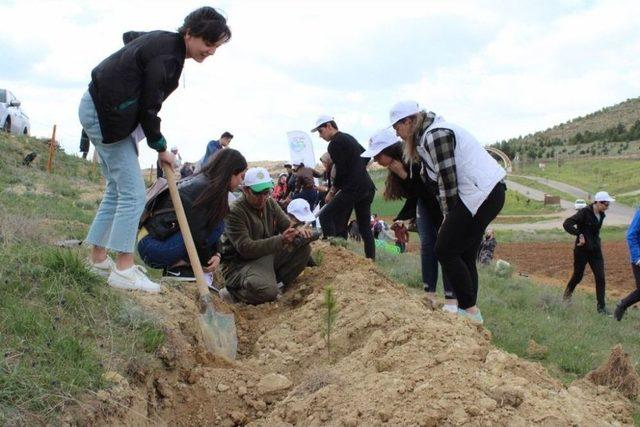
(392, 360)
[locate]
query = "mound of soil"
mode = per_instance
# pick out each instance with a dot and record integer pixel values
(392, 361)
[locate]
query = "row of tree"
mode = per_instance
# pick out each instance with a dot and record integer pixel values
(525, 148)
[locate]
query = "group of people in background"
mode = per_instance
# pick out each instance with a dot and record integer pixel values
(452, 188)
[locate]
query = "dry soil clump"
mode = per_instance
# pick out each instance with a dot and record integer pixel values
(393, 361)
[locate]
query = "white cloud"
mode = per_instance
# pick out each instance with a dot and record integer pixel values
(526, 66)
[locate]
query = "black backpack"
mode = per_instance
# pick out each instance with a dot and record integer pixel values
(160, 222)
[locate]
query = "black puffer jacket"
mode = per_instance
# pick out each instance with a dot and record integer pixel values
(586, 223)
(189, 189)
(130, 86)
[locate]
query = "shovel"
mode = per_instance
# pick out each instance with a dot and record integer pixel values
(218, 329)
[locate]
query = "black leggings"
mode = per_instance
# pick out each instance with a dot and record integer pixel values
(343, 202)
(594, 258)
(634, 296)
(458, 242)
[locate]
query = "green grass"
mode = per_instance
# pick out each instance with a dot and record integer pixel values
(538, 186)
(61, 327)
(517, 310)
(613, 175)
(607, 234)
(515, 203)
(518, 204)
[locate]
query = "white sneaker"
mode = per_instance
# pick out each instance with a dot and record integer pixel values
(133, 278)
(103, 268)
(450, 308)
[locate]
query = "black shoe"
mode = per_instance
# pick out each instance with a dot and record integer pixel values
(604, 311)
(179, 274)
(619, 311)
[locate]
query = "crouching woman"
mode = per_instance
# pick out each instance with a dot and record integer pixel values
(206, 203)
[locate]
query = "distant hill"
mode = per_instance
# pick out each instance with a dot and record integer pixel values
(611, 131)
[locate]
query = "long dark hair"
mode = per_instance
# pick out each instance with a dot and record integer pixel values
(218, 171)
(393, 188)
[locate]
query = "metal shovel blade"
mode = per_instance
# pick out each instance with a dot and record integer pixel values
(218, 330)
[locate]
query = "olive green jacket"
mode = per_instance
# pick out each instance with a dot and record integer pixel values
(251, 234)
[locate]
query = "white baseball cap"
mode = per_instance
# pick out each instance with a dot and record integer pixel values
(322, 120)
(300, 209)
(402, 110)
(603, 196)
(258, 179)
(174, 148)
(379, 141)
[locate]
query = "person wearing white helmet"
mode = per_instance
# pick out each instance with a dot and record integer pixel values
(586, 225)
(405, 181)
(257, 256)
(471, 192)
(352, 187)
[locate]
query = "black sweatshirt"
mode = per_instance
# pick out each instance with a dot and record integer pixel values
(351, 169)
(130, 86)
(586, 223)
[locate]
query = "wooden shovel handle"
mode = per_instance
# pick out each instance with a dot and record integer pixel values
(185, 230)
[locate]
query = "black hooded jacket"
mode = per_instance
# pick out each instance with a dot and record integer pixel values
(586, 223)
(130, 86)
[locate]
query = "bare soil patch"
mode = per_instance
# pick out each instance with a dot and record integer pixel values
(552, 263)
(394, 361)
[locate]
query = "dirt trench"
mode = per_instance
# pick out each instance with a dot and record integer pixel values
(393, 361)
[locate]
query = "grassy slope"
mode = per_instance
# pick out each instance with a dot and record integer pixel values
(61, 328)
(516, 204)
(613, 175)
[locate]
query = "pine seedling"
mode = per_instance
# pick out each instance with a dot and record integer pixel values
(330, 314)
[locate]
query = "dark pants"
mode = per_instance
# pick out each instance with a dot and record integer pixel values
(402, 246)
(458, 243)
(428, 233)
(256, 282)
(166, 253)
(581, 258)
(343, 202)
(308, 194)
(634, 296)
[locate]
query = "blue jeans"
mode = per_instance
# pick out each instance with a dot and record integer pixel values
(428, 234)
(166, 253)
(116, 223)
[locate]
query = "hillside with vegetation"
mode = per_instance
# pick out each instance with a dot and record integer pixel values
(611, 131)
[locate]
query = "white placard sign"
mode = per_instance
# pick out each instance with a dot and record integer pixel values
(301, 148)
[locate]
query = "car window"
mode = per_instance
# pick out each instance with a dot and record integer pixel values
(10, 97)
(3, 95)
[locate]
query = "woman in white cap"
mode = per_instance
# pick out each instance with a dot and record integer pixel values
(405, 181)
(585, 225)
(471, 192)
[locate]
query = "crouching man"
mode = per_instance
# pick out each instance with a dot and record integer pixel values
(260, 251)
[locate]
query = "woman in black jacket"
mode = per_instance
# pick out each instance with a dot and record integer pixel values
(206, 203)
(121, 107)
(585, 225)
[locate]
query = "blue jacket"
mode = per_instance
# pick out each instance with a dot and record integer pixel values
(633, 237)
(212, 148)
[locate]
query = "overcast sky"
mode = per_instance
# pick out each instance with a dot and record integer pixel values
(498, 68)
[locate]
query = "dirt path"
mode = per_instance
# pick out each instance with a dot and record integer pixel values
(392, 362)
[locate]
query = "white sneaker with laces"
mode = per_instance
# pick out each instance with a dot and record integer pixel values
(133, 278)
(102, 268)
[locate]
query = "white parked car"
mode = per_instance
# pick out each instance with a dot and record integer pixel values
(579, 204)
(12, 118)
